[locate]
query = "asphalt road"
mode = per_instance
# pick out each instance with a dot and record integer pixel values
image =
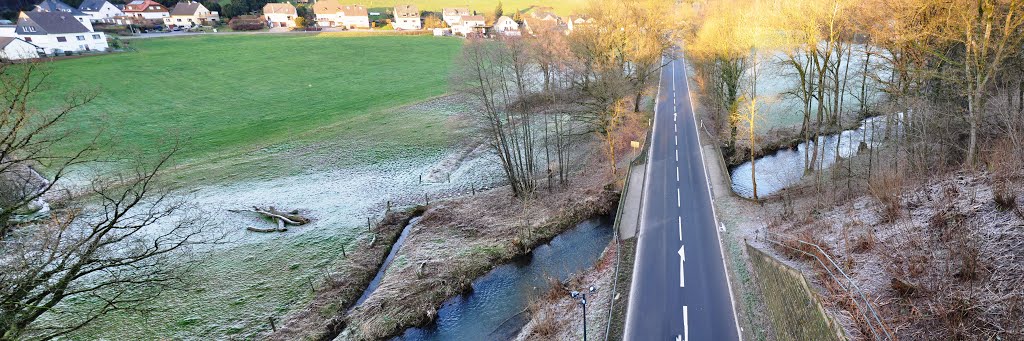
(680, 288)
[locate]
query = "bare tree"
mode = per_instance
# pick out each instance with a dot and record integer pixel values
(108, 246)
(498, 75)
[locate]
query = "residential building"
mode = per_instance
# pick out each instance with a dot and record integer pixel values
(100, 10)
(576, 22)
(59, 7)
(280, 15)
(56, 32)
(146, 9)
(452, 16)
(506, 26)
(354, 16)
(407, 17)
(469, 24)
(331, 13)
(12, 48)
(191, 14)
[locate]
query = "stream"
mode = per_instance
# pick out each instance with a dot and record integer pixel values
(387, 261)
(785, 167)
(495, 308)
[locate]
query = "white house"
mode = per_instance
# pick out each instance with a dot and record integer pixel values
(452, 16)
(469, 24)
(331, 13)
(190, 14)
(407, 17)
(60, 7)
(354, 16)
(280, 15)
(146, 9)
(12, 48)
(100, 10)
(56, 33)
(506, 26)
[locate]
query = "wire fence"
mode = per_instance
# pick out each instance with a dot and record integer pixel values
(864, 307)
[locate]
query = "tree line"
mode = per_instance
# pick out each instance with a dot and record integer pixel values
(953, 69)
(537, 95)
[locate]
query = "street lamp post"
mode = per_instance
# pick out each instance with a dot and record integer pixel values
(583, 301)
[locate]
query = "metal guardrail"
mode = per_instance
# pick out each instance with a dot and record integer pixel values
(864, 307)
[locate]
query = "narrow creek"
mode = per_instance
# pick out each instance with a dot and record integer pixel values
(785, 167)
(387, 261)
(494, 309)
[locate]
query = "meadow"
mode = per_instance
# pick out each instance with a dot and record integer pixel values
(229, 96)
(332, 125)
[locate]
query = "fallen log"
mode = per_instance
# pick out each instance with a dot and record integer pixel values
(280, 227)
(291, 218)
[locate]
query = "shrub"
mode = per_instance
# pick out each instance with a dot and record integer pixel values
(246, 23)
(1005, 198)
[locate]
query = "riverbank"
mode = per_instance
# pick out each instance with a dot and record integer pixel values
(343, 287)
(460, 239)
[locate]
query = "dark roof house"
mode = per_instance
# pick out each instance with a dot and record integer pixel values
(58, 7)
(92, 5)
(42, 23)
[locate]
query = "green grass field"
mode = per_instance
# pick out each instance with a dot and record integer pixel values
(230, 95)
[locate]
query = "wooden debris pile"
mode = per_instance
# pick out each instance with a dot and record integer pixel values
(283, 219)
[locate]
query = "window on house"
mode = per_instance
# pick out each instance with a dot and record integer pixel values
(62, 39)
(80, 38)
(29, 28)
(96, 36)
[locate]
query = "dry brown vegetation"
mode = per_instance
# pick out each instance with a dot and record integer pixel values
(323, 316)
(460, 239)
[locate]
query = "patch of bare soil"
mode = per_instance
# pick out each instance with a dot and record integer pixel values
(322, 316)
(460, 239)
(942, 261)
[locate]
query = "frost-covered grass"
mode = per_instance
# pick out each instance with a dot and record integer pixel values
(778, 81)
(237, 286)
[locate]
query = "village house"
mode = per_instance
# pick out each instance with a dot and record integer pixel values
(59, 7)
(12, 48)
(407, 17)
(280, 14)
(506, 26)
(145, 9)
(576, 22)
(56, 33)
(191, 14)
(469, 24)
(452, 16)
(100, 10)
(331, 13)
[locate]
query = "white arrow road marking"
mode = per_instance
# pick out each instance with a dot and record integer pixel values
(682, 259)
(674, 116)
(680, 228)
(686, 325)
